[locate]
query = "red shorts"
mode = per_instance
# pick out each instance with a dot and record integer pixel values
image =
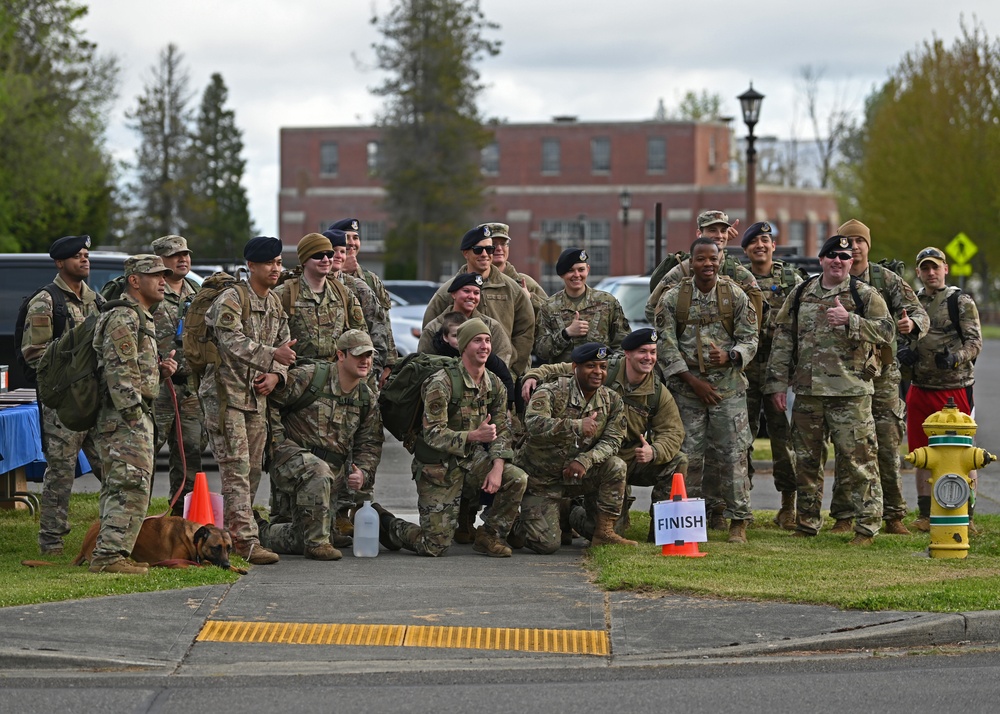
(921, 403)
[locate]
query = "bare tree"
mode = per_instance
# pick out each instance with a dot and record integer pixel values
(830, 127)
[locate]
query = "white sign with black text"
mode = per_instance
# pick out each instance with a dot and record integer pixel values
(680, 521)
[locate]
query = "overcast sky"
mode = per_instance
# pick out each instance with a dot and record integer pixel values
(292, 62)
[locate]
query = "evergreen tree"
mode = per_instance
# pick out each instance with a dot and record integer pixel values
(216, 206)
(432, 130)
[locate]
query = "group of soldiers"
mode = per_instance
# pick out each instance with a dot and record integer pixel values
(549, 451)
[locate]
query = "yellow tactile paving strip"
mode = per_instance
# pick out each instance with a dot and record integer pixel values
(584, 642)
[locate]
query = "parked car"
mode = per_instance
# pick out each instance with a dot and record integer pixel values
(632, 292)
(407, 324)
(410, 292)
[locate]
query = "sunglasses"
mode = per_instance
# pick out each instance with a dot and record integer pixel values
(839, 256)
(928, 254)
(321, 255)
(479, 249)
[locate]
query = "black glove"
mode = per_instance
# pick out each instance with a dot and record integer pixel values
(945, 360)
(907, 357)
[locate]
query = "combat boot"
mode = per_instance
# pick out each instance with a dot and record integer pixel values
(862, 540)
(343, 522)
(323, 551)
(717, 521)
(786, 516)
(466, 531)
(604, 532)
(923, 524)
(737, 531)
(895, 527)
(121, 567)
(259, 555)
(490, 544)
(339, 540)
(843, 525)
(385, 535)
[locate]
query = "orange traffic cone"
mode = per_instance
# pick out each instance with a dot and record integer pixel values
(678, 492)
(200, 510)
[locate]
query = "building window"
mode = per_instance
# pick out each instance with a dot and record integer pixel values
(594, 236)
(489, 159)
(656, 155)
(329, 158)
(797, 235)
(550, 156)
(373, 158)
(600, 154)
(822, 232)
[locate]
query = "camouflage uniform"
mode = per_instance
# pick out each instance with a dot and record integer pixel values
(499, 340)
(127, 357)
(775, 286)
(941, 337)
(318, 319)
(312, 449)
(888, 409)
(716, 436)
(375, 283)
(505, 302)
(445, 437)
(831, 392)
(61, 445)
(234, 415)
(602, 312)
(553, 423)
(167, 315)
(730, 267)
(376, 325)
(538, 296)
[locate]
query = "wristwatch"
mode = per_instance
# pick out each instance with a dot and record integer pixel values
(736, 358)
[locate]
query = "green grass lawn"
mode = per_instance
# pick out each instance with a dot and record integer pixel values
(893, 574)
(21, 585)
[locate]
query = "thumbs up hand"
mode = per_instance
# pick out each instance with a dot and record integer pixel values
(643, 452)
(485, 433)
(905, 325)
(838, 314)
(578, 328)
(589, 427)
(717, 356)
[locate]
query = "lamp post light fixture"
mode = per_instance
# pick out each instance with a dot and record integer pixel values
(625, 203)
(750, 102)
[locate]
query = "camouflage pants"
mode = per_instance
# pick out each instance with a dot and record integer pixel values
(603, 489)
(783, 470)
(193, 439)
(439, 490)
(62, 447)
(889, 412)
(239, 451)
(852, 431)
(127, 458)
(716, 439)
(308, 483)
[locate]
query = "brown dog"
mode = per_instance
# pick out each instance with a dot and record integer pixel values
(171, 541)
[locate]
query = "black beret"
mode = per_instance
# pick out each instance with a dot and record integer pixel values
(475, 235)
(757, 229)
(464, 279)
(588, 351)
(262, 249)
(68, 246)
(637, 338)
(835, 243)
(570, 257)
(347, 224)
(337, 236)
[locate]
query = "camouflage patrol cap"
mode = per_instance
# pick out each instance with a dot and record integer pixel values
(499, 230)
(710, 218)
(935, 255)
(355, 342)
(170, 245)
(146, 264)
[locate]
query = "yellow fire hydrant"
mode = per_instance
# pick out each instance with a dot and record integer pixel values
(950, 456)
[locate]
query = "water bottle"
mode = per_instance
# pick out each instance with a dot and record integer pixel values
(366, 532)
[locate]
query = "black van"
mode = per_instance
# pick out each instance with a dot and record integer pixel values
(23, 273)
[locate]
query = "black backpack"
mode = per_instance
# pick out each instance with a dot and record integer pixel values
(59, 317)
(402, 404)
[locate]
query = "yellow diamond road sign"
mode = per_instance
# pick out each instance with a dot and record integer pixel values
(961, 249)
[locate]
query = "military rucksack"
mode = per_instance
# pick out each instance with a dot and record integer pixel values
(666, 265)
(290, 295)
(69, 379)
(59, 317)
(724, 292)
(199, 345)
(314, 391)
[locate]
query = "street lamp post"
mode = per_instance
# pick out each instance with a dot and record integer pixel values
(625, 203)
(750, 102)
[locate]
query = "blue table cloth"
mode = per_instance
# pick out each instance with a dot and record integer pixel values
(21, 443)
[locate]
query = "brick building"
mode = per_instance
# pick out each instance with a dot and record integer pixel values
(558, 185)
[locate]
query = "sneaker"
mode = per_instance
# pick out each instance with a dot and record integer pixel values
(895, 527)
(121, 567)
(843, 525)
(862, 540)
(490, 544)
(923, 523)
(385, 535)
(323, 551)
(259, 555)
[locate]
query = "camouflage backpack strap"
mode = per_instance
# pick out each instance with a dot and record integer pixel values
(953, 315)
(724, 293)
(345, 298)
(312, 392)
(786, 277)
(683, 308)
(289, 296)
(859, 305)
(796, 303)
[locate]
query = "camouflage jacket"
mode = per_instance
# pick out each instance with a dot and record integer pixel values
(377, 323)
(318, 319)
(538, 296)
(246, 350)
(689, 350)
(899, 296)
(375, 283)
(498, 338)
(128, 359)
(602, 312)
(166, 316)
(775, 288)
(336, 421)
(38, 321)
(447, 429)
(943, 337)
(554, 429)
(730, 267)
(831, 360)
(505, 302)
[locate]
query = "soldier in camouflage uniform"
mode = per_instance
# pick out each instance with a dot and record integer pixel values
(125, 342)
(169, 318)
(500, 233)
(888, 409)
(318, 445)
(502, 299)
(650, 411)
(61, 445)
(829, 354)
(776, 280)
(464, 441)
(941, 365)
(714, 225)
(702, 356)
(578, 313)
(466, 293)
(254, 359)
(574, 429)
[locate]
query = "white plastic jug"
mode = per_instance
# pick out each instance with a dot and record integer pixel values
(366, 532)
